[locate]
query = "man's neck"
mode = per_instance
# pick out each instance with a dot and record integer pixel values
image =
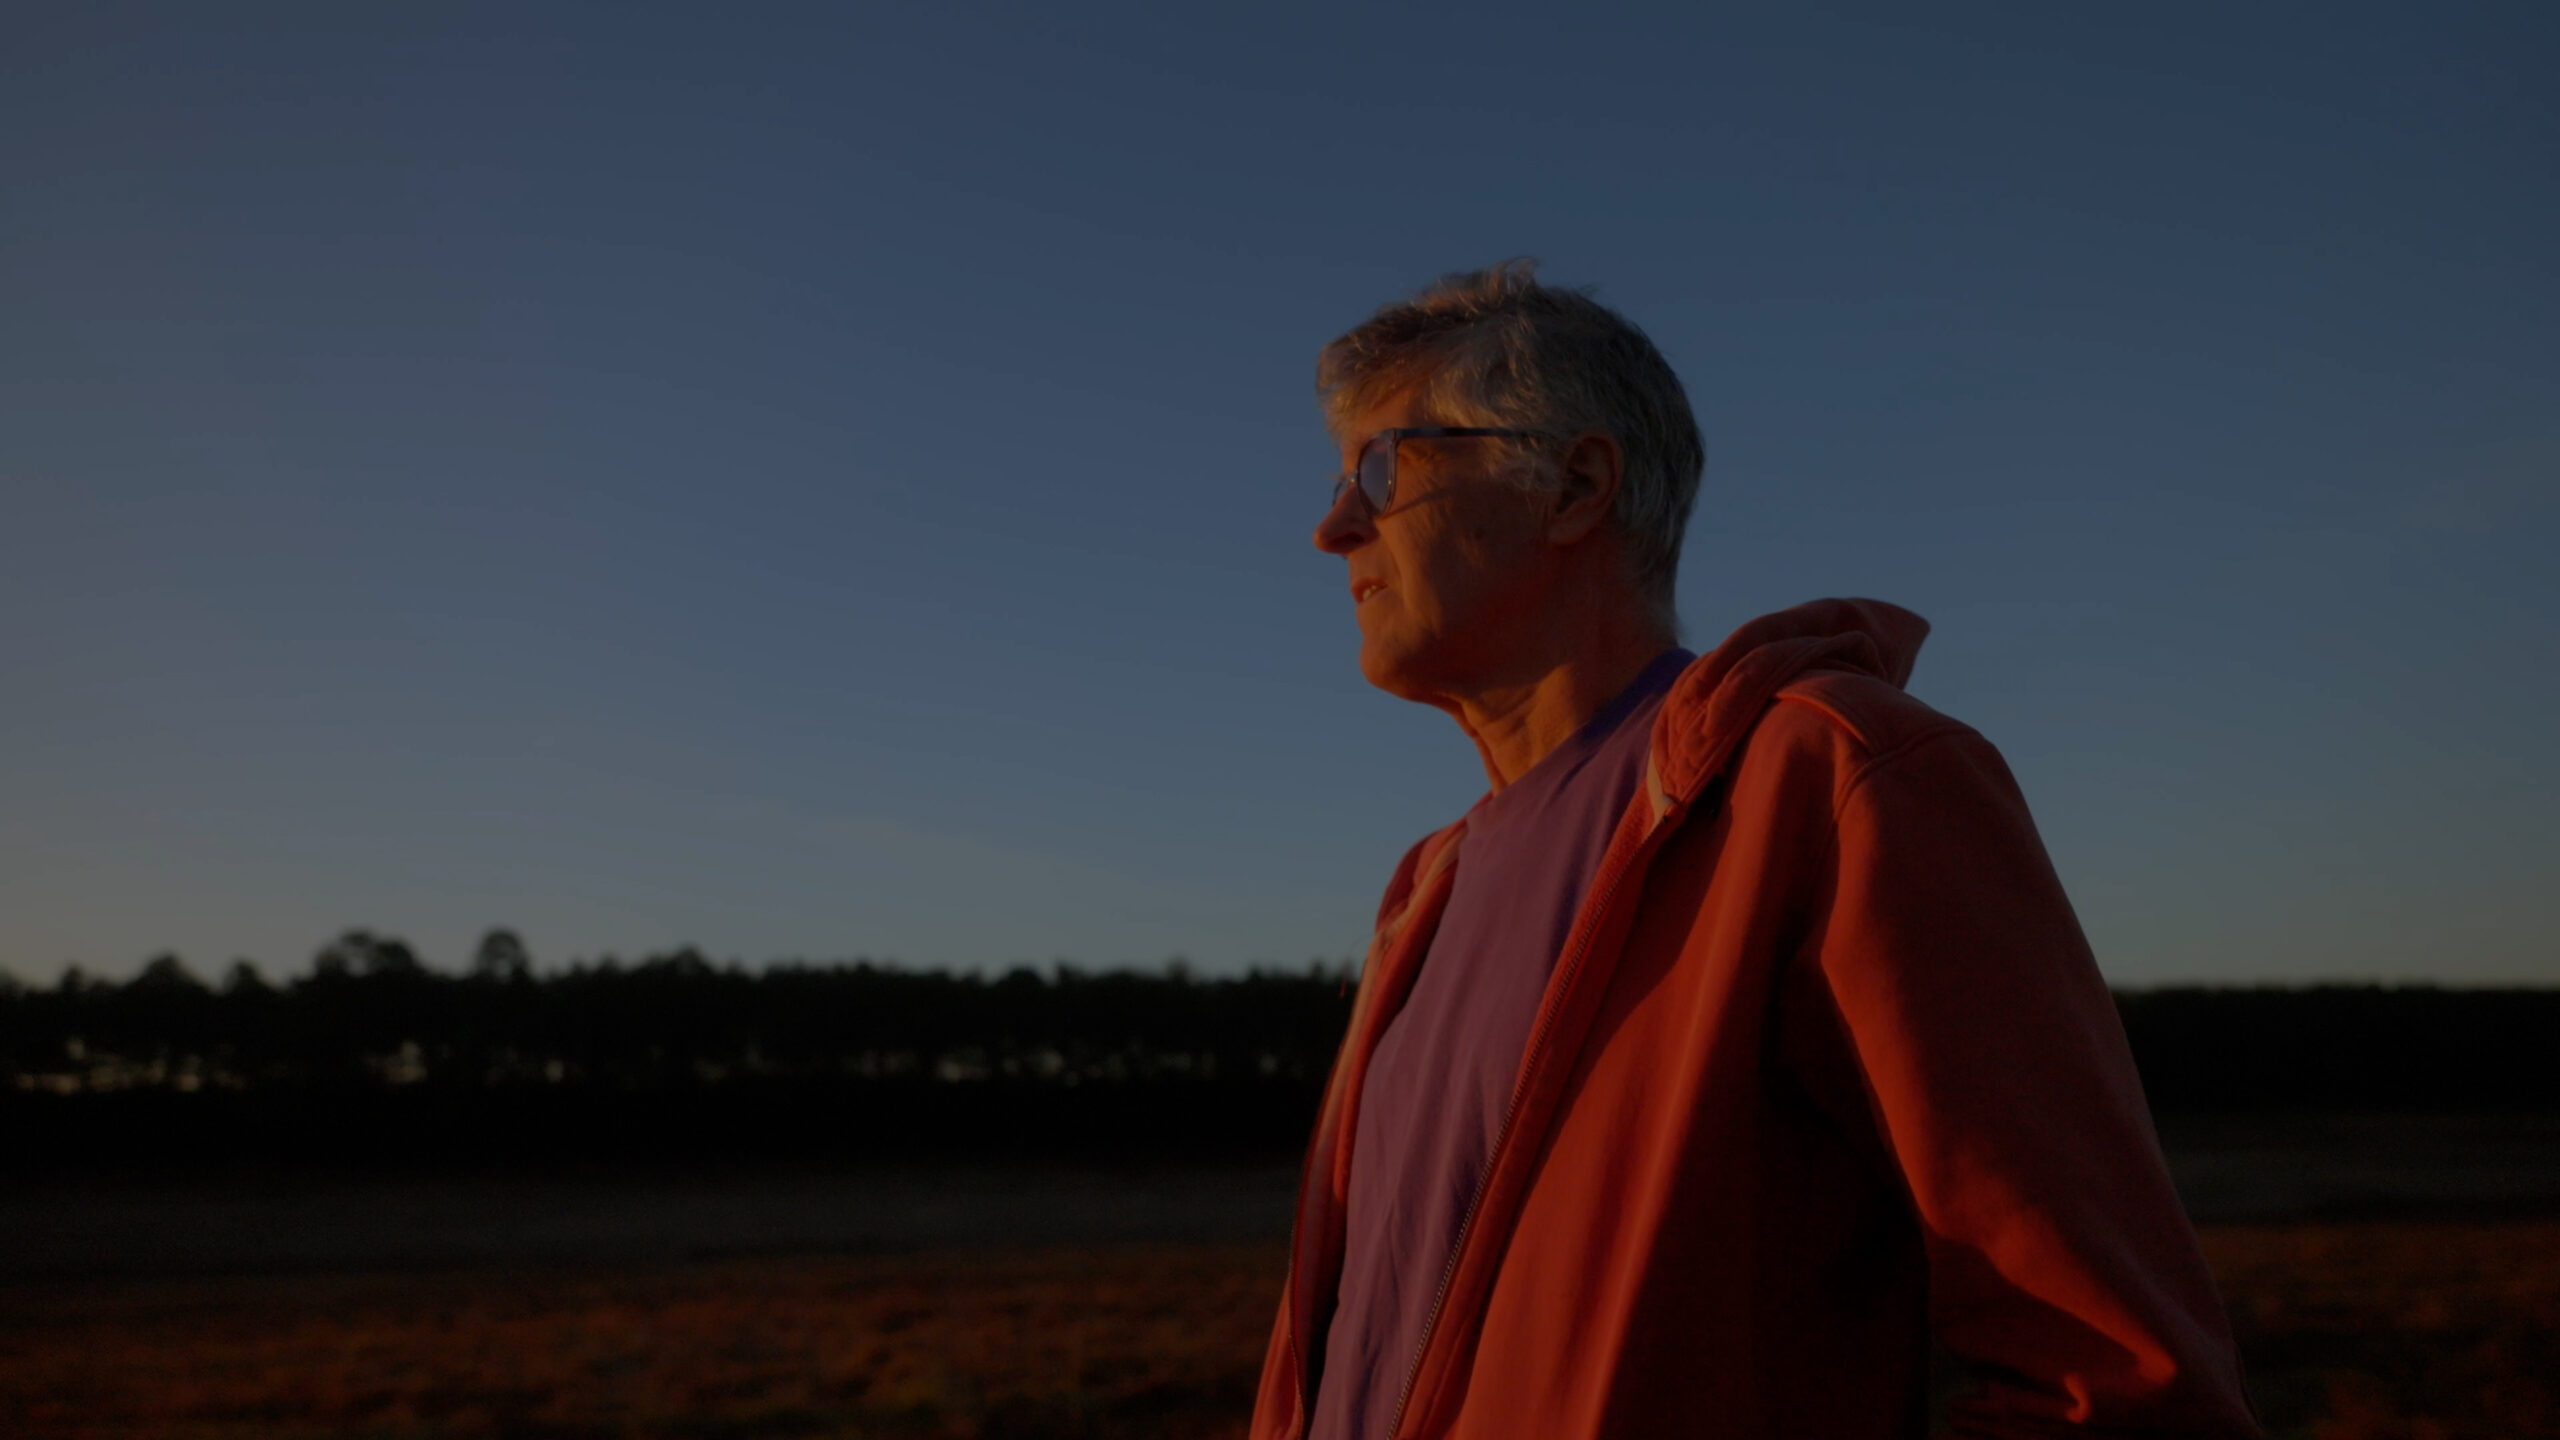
(1518, 723)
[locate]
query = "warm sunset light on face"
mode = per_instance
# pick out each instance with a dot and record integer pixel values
(1436, 582)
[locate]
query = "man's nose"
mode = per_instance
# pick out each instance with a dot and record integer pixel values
(1348, 525)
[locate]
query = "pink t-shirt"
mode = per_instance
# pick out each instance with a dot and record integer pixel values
(1442, 1074)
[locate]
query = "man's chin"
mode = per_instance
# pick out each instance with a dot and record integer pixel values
(1395, 671)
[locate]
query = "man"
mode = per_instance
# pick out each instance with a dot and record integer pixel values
(1736, 1066)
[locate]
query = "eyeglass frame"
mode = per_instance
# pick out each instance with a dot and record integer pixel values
(1395, 436)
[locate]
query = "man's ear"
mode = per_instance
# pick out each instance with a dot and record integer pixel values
(1593, 468)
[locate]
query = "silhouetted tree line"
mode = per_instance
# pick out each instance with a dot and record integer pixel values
(372, 1054)
(370, 1013)
(2345, 1047)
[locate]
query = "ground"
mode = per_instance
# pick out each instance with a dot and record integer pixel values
(2350, 1332)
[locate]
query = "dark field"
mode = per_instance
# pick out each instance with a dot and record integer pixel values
(2350, 1330)
(2387, 1278)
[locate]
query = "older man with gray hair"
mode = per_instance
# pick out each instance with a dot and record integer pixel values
(1735, 1065)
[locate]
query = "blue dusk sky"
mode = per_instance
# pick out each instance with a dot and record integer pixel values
(835, 481)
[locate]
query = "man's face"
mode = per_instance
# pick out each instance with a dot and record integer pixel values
(1444, 582)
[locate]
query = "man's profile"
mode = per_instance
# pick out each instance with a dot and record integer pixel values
(1736, 1065)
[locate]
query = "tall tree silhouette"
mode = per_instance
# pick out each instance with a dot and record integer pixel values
(502, 956)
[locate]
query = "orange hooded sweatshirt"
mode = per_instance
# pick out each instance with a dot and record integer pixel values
(1825, 1107)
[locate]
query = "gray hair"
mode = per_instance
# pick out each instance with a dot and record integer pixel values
(1494, 347)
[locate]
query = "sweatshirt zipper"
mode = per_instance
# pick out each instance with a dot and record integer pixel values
(1510, 1113)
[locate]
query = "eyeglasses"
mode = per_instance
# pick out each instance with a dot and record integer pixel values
(1375, 471)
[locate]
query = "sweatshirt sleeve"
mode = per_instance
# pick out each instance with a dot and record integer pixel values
(2064, 1278)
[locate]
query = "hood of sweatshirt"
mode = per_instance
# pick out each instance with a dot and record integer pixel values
(1716, 701)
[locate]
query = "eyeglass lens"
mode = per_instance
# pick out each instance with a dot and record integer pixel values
(1378, 472)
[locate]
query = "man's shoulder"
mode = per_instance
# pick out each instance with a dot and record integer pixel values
(1851, 719)
(1422, 860)
(1828, 742)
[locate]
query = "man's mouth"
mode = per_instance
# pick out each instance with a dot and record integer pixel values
(1363, 589)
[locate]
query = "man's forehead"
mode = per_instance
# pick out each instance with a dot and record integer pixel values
(1396, 408)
